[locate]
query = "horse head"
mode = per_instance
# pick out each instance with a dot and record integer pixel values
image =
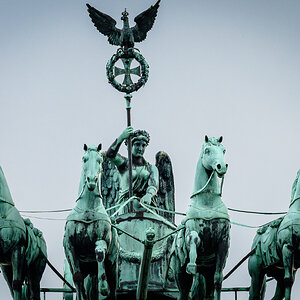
(92, 165)
(212, 156)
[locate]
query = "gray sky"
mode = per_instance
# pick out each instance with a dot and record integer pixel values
(226, 68)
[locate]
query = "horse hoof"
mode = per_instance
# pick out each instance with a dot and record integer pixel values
(103, 288)
(191, 269)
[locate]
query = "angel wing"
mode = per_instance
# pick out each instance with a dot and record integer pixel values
(166, 191)
(106, 25)
(144, 22)
(109, 184)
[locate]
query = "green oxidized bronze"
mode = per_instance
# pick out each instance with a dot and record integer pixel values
(125, 37)
(23, 252)
(127, 56)
(90, 243)
(275, 251)
(200, 249)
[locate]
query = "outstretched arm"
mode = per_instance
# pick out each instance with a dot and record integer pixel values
(112, 152)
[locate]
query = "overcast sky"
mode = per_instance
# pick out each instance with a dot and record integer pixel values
(217, 68)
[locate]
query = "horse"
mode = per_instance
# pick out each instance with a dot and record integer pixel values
(200, 248)
(23, 252)
(276, 251)
(90, 241)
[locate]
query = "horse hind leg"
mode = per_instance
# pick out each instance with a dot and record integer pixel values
(18, 270)
(100, 250)
(193, 242)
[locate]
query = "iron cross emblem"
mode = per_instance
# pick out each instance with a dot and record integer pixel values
(127, 71)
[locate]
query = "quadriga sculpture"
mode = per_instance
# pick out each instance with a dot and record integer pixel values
(23, 250)
(90, 242)
(200, 249)
(276, 250)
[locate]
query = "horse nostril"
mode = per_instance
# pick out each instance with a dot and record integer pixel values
(226, 166)
(218, 166)
(88, 179)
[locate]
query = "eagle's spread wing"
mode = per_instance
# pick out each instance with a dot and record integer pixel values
(144, 22)
(105, 24)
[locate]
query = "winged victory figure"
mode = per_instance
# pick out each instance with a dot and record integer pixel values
(127, 36)
(163, 190)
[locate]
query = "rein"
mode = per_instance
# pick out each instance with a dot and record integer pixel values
(84, 185)
(206, 184)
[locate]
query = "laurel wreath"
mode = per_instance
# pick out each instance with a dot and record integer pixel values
(130, 53)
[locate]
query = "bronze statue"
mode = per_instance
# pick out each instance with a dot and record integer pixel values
(90, 242)
(23, 252)
(145, 175)
(200, 249)
(127, 36)
(276, 251)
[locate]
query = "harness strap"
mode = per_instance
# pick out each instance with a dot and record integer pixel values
(5, 201)
(294, 201)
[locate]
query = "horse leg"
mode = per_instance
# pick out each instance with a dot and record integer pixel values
(209, 285)
(100, 250)
(184, 280)
(17, 260)
(257, 278)
(279, 293)
(288, 263)
(111, 269)
(198, 291)
(35, 273)
(75, 270)
(193, 242)
(221, 256)
(8, 276)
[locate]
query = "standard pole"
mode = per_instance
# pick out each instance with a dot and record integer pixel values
(142, 289)
(128, 108)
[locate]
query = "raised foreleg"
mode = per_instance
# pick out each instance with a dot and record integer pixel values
(193, 242)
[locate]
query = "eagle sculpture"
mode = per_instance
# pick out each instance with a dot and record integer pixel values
(127, 36)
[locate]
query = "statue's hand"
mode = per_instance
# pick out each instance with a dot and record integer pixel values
(126, 133)
(146, 199)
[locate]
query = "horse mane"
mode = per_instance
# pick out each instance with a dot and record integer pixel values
(294, 187)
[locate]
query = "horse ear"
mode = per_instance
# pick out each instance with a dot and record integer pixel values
(85, 147)
(220, 139)
(206, 139)
(99, 147)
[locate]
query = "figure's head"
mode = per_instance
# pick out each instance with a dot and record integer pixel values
(212, 155)
(140, 140)
(124, 15)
